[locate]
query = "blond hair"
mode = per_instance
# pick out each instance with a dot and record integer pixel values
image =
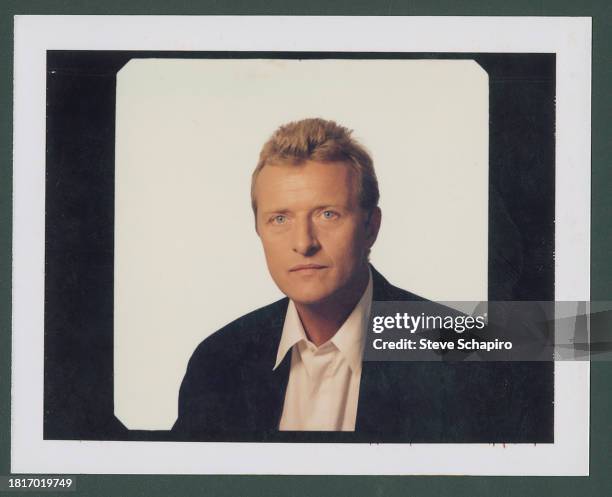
(321, 141)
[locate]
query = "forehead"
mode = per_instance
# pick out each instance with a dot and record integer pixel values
(284, 185)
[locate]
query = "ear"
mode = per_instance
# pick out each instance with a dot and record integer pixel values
(255, 222)
(373, 221)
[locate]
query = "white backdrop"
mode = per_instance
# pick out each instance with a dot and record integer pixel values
(187, 258)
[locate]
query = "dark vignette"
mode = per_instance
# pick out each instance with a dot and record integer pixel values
(78, 383)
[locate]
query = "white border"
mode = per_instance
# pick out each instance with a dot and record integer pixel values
(569, 38)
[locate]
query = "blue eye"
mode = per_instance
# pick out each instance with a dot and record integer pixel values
(279, 219)
(329, 214)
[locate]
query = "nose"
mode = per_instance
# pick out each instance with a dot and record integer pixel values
(305, 241)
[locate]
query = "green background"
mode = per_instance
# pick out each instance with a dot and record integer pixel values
(599, 483)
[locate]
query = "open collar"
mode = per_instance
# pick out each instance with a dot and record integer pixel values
(349, 339)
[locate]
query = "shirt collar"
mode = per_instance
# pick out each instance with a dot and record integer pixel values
(349, 339)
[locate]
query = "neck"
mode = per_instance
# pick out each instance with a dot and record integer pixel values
(322, 320)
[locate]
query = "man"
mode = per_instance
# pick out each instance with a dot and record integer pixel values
(293, 370)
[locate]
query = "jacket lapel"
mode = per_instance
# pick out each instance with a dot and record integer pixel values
(379, 409)
(265, 395)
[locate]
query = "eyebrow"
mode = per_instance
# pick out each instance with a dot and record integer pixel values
(275, 211)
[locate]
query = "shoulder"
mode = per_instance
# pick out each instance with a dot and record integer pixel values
(250, 335)
(225, 370)
(385, 291)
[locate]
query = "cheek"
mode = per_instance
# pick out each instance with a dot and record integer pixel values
(346, 248)
(274, 251)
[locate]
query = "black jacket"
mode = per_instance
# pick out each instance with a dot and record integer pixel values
(231, 393)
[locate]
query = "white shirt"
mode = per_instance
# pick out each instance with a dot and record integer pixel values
(323, 388)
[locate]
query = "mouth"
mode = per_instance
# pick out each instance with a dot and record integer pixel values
(306, 267)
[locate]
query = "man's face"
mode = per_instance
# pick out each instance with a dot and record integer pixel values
(315, 235)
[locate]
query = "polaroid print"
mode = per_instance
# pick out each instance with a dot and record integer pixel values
(154, 244)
